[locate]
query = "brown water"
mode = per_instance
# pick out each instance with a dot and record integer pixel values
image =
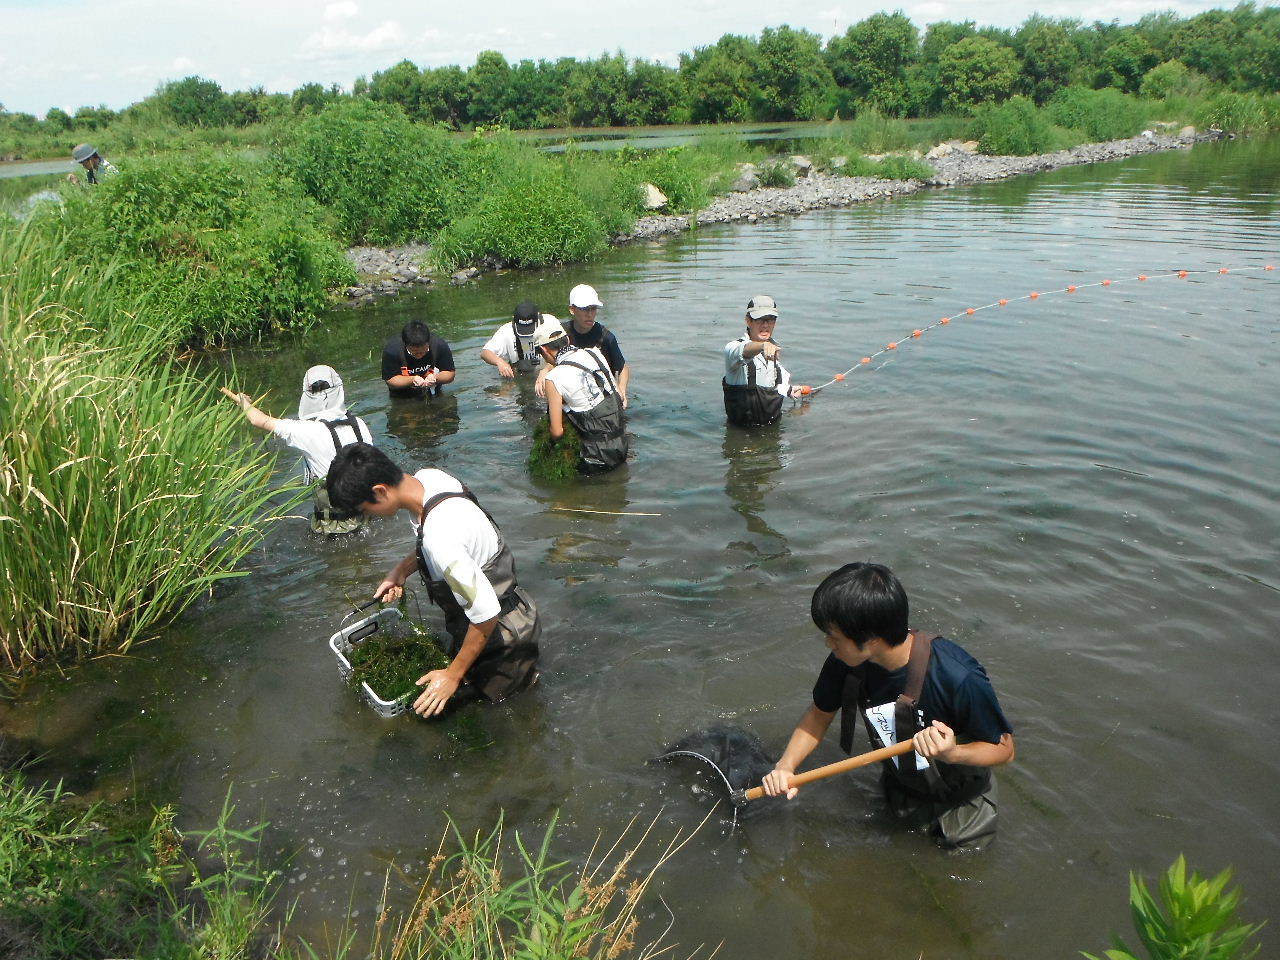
(1081, 490)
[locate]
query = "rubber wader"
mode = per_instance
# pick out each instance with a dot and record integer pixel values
(603, 428)
(324, 518)
(958, 803)
(749, 405)
(525, 362)
(509, 660)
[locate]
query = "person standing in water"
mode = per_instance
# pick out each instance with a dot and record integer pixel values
(466, 565)
(904, 684)
(580, 388)
(586, 333)
(511, 348)
(323, 427)
(755, 382)
(417, 363)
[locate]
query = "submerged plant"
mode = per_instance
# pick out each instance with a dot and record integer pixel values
(554, 460)
(391, 663)
(1194, 919)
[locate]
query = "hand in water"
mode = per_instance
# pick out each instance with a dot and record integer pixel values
(801, 391)
(438, 688)
(504, 369)
(540, 385)
(776, 783)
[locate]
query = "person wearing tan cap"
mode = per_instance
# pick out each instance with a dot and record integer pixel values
(755, 383)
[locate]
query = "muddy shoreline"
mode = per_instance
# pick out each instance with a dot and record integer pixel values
(388, 271)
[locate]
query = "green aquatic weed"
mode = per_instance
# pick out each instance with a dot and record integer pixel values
(554, 459)
(391, 663)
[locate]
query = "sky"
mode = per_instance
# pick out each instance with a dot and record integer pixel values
(70, 53)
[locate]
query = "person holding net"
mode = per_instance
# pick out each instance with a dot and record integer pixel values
(904, 684)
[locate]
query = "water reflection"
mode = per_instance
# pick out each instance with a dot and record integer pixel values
(420, 425)
(753, 459)
(516, 399)
(589, 539)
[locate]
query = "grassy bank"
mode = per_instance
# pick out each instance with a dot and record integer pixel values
(82, 880)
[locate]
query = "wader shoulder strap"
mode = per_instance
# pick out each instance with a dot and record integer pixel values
(603, 375)
(751, 371)
(519, 349)
(440, 498)
(347, 421)
(906, 717)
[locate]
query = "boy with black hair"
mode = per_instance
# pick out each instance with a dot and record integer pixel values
(465, 563)
(416, 363)
(903, 683)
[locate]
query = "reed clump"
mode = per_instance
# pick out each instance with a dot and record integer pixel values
(125, 492)
(554, 460)
(391, 663)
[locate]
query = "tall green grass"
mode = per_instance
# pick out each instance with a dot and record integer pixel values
(126, 491)
(1099, 115)
(1018, 127)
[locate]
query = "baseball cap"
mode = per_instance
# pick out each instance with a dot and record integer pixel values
(526, 318)
(760, 306)
(548, 331)
(584, 296)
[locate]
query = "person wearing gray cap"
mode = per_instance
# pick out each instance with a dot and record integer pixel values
(511, 348)
(755, 383)
(94, 165)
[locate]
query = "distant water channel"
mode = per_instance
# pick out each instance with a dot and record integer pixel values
(1081, 489)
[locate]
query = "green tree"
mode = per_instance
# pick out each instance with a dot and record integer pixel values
(195, 102)
(793, 81)
(1209, 43)
(1126, 62)
(57, 119)
(869, 62)
(489, 86)
(1050, 55)
(313, 97)
(1172, 78)
(654, 95)
(443, 96)
(400, 84)
(977, 70)
(718, 80)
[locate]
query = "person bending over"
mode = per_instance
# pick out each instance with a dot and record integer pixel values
(417, 363)
(580, 388)
(468, 570)
(322, 429)
(584, 332)
(511, 348)
(902, 683)
(755, 382)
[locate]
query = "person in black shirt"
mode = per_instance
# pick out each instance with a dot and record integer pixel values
(417, 363)
(952, 715)
(584, 332)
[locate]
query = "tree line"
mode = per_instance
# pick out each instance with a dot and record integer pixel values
(883, 62)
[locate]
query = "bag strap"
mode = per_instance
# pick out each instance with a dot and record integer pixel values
(519, 349)
(602, 374)
(348, 421)
(906, 708)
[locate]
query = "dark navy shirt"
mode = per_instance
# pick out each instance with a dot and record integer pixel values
(956, 691)
(395, 358)
(602, 339)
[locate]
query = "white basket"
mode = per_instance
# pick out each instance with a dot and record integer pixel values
(342, 642)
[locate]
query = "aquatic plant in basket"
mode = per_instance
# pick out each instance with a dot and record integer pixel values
(551, 459)
(391, 663)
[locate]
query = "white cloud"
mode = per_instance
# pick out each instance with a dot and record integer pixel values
(338, 41)
(342, 10)
(181, 64)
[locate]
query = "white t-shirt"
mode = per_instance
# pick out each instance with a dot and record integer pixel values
(313, 440)
(768, 374)
(503, 343)
(579, 389)
(459, 540)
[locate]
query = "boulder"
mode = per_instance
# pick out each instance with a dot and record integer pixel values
(463, 275)
(940, 151)
(654, 199)
(803, 166)
(748, 178)
(1187, 132)
(968, 146)
(839, 163)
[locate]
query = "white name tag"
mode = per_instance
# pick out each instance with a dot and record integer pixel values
(884, 723)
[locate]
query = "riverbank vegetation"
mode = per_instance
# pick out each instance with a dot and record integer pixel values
(97, 880)
(884, 63)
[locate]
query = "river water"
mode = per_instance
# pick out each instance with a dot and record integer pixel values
(1080, 489)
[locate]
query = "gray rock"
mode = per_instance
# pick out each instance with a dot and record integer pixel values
(463, 275)
(1187, 131)
(940, 152)
(654, 199)
(803, 166)
(748, 178)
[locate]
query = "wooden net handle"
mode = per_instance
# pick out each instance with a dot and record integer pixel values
(840, 766)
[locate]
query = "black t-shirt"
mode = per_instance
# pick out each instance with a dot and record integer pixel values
(395, 358)
(956, 691)
(601, 338)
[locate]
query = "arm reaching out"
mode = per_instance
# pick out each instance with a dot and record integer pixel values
(804, 739)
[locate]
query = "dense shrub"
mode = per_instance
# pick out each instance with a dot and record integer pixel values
(1098, 114)
(386, 179)
(777, 173)
(1172, 78)
(219, 245)
(1239, 112)
(1017, 127)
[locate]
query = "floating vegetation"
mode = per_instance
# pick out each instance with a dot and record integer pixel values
(391, 663)
(554, 459)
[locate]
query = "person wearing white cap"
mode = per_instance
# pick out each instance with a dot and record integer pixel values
(323, 427)
(580, 388)
(94, 165)
(511, 348)
(584, 332)
(755, 383)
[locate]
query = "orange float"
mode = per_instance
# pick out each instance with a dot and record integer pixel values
(970, 311)
(839, 376)
(866, 359)
(1004, 302)
(916, 333)
(1071, 289)
(1222, 269)
(1182, 273)
(1106, 283)
(805, 391)
(1142, 276)
(1268, 267)
(891, 346)
(945, 320)
(1034, 295)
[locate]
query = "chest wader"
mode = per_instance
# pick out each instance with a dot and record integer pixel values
(956, 802)
(508, 663)
(324, 518)
(525, 362)
(603, 428)
(749, 405)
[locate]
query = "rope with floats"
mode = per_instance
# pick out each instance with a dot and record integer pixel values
(865, 362)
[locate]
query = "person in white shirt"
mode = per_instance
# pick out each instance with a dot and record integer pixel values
(323, 427)
(755, 382)
(580, 388)
(511, 348)
(469, 572)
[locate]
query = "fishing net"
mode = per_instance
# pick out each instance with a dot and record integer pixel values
(554, 459)
(737, 758)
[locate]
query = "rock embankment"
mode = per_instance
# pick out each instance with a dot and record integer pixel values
(387, 271)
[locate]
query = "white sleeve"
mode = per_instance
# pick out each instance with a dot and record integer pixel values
(470, 587)
(733, 354)
(502, 343)
(784, 381)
